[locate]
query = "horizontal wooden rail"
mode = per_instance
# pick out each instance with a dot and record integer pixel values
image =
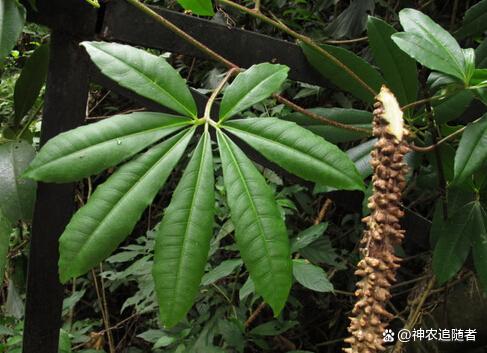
(122, 23)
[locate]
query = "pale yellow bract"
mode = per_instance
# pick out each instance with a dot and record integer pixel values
(392, 112)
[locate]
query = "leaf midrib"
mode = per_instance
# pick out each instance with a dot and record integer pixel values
(225, 116)
(251, 201)
(162, 127)
(290, 148)
(432, 53)
(125, 195)
(434, 40)
(185, 238)
(158, 87)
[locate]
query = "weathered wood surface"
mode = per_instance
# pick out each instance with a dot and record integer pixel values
(123, 23)
(64, 109)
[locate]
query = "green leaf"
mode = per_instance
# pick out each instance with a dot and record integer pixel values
(454, 242)
(307, 236)
(94, 3)
(479, 77)
(360, 155)
(17, 195)
(273, 328)
(341, 78)
(198, 7)
(452, 107)
(321, 251)
(398, 68)
(472, 150)
(311, 276)
(457, 198)
(146, 74)
(64, 342)
(479, 245)
(247, 289)
(90, 149)
(221, 271)
(12, 19)
(469, 57)
(431, 45)
(352, 117)
(474, 21)
(299, 151)
(183, 238)
(5, 230)
(352, 21)
(481, 54)
(250, 87)
(164, 341)
(112, 211)
(259, 229)
(30, 81)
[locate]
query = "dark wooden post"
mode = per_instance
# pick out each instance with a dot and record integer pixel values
(64, 108)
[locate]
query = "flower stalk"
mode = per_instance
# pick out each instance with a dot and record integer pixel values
(379, 263)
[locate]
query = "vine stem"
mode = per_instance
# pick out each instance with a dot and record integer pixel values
(318, 117)
(100, 293)
(424, 100)
(193, 41)
(171, 26)
(415, 314)
(346, 41)
(444, 139)
(303, 38)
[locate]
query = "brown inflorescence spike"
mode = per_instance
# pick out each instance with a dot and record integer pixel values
(383, 232)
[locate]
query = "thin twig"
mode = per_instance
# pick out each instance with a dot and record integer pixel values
(254, 315)
(318, 117)
(257, 5)
(212, 54)
(302, 38)
(346, 41)
(416, 313)
(104, 312)
(422, 101)
(323, 211)
(168, 24)
(443, 140)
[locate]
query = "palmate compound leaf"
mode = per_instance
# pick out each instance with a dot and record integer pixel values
(299, 151)
(97, 228)
(146, 74)
(259, 228)
(183, 237)
(92, 148)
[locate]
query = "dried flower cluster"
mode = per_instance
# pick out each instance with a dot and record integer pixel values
(378, 265)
